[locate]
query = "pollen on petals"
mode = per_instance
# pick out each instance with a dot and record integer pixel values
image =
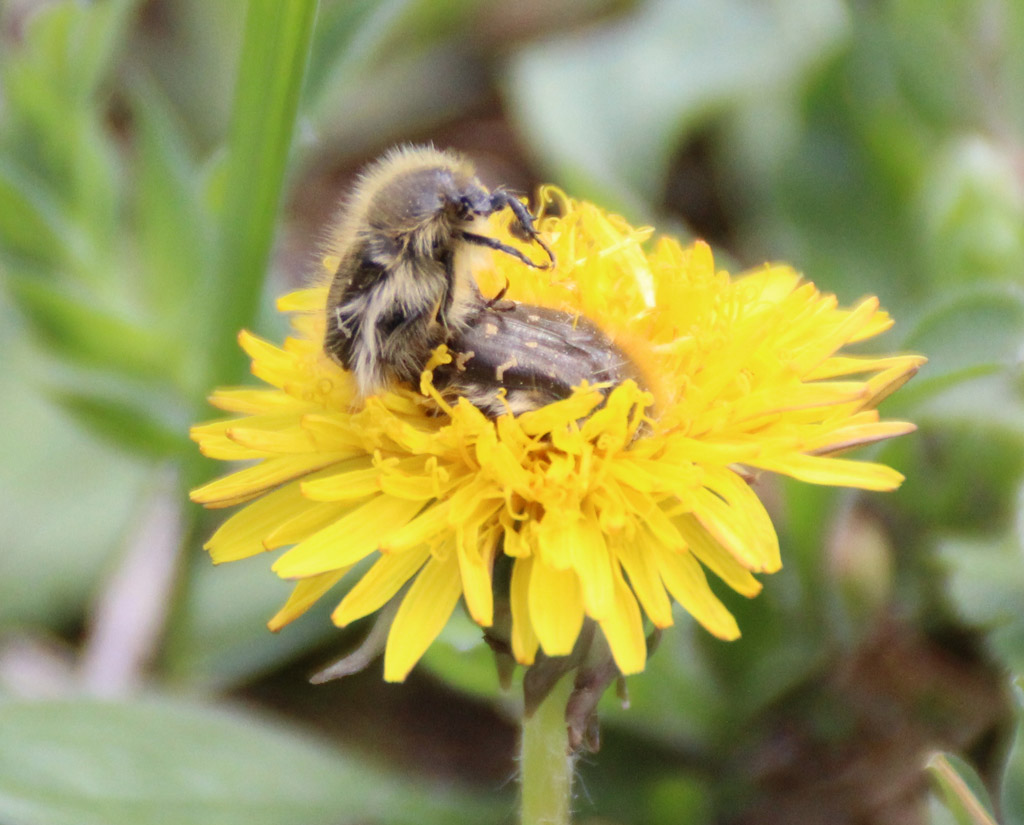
(605, 507)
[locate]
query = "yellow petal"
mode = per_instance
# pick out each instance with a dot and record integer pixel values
(834, 471)
(578, 544)
(475, 555)
(763, 543)
(241, 536)
(312, 299)
(524, 637)
(592, 562)
(422, 616)
(333, 432)
(654, 519)
(407, 485)
(303, 524)
(785, 398)
(716, 558)
(848, 438)
(886, 383)
(688, 585)
(639, 563)
(346, 541)
(269, 363)
(215, 439)
(729, 527)
(556, 608)
(828, 340)
(623, 627)
(429, 523)
(356, 483)
(839, 365)
(304, 595)
(290, 439)
(376, 587)
(708, 451)
(223, 448)
(251, 401)
(227, 490)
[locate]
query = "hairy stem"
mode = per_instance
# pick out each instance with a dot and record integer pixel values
(545, 764)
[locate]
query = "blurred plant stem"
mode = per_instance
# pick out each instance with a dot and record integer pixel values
(545, 765)
(130, 613)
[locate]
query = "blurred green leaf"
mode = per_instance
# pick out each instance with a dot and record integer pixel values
(678, 799)
(678, 701)
(221, 637)
(346, 40)
(31, 223)
(961, 474)
(461, 659)
(973, 208)
(993, 403)
(1004, 46)
(67, 499)
(72, 46)
(140, 429)
(846, 186)
(191, 54)
(86, 762)
(978, 328)
(972, 377)
(384, 71)
(986, 585)
(605, 110)
(962, 790)
(51, 79)
(1012, 796)
(88, 333)
(176, 236)
(94, 192)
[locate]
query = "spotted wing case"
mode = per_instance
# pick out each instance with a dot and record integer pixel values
(537, 355)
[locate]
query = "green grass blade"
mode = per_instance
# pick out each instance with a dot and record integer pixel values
(274, 56)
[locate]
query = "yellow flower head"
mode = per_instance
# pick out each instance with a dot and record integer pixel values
(605, 510)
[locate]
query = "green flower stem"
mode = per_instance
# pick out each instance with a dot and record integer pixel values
(545, 765)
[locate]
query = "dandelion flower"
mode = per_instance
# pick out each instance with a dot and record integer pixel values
(609, 505)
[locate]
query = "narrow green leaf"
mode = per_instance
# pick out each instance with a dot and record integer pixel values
(176, 239)
(348, 37)
(52, 80)
(273, 61)
(31, 224)
(978, 327)
(86, 762)
(962, 790)
(74, 44)
(86, 333)
(972, 341)
(125, 422)
(98, 36)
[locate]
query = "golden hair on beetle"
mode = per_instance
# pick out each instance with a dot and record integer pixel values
(402, 285)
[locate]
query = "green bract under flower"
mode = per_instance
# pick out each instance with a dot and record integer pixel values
(608, 512)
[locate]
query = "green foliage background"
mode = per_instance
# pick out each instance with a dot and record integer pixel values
(165, 167)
